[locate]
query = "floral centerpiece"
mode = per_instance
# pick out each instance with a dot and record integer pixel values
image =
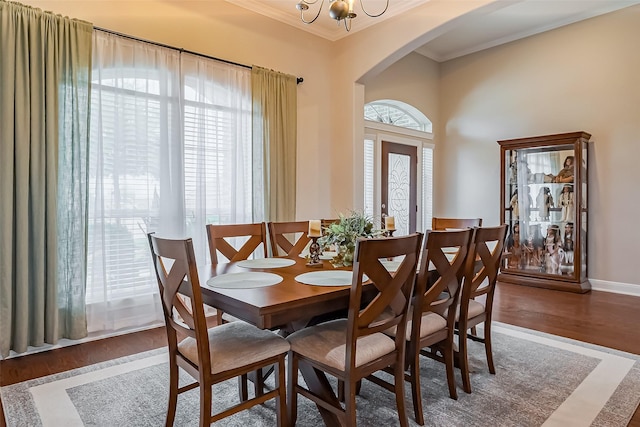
(343, 235)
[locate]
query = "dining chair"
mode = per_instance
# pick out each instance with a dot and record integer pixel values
(454, 223)
(482, 266)
(288, 238)
(219, 236)
(212, 355)
(353, 348)
(431, 327)
(325, 222)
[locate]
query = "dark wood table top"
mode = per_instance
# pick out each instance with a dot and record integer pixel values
(275, 306)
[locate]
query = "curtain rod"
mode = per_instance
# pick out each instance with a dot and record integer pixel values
(298, 79)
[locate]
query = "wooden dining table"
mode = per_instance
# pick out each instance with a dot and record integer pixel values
(288, 306)
(277, 306)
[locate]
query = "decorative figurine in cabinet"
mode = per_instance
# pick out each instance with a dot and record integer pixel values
(543, 200)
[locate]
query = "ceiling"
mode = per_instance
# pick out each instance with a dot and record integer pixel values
(516, 20)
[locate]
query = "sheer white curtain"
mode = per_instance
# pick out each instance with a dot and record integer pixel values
(217, 147)
(170, 152)
(135, 176)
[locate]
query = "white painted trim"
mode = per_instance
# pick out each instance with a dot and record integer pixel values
(615, 287)
(406, 132)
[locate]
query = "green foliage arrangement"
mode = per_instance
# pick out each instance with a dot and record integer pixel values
(343, 235)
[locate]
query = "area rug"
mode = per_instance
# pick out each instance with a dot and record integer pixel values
(541, 380)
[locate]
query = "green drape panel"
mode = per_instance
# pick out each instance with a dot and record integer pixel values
(45, 63)
(275, 134)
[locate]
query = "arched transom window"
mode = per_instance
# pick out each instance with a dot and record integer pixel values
(397, 113)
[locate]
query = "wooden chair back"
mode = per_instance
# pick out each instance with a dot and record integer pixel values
(455, 223)
(177, 275)
(483, 265)
(288, 238)
(439, 280)
(219, 233)
(393, 291)
(327, 222)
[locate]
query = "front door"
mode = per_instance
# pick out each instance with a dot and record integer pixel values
(399, 185)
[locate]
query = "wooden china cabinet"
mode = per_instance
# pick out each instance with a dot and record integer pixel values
(543, 200)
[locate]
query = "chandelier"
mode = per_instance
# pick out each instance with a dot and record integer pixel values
(340, 10)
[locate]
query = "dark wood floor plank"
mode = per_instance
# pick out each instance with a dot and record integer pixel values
(600, 318)
(37, 365)
(596, 317)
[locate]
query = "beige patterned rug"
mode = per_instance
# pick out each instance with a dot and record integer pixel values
(541, 380)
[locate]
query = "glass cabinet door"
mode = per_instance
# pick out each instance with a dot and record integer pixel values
(544, 204)
(541, 210)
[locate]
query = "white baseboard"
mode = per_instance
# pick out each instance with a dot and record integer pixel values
(615, 287)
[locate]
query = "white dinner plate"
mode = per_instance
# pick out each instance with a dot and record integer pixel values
(266, 263)
(251, 279)
(328, 278)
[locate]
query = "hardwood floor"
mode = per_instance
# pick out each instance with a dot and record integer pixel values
(601, 318)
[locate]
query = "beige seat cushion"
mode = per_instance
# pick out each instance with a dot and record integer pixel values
(430, 324)
(475, 309)
(236, 344)
(327, 343)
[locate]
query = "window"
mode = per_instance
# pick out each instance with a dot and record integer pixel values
(170, 152)
(397, 113)
(369, 161)
(427, 187)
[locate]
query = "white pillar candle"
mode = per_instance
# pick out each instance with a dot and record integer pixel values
(314, 228)
(389, 223)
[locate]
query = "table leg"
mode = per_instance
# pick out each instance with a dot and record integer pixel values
(318, 384)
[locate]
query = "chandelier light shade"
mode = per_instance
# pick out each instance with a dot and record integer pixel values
(340, 10)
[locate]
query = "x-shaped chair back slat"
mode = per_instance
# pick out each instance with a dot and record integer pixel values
(483, 262)
(440, 277)
(288, 237)
(218, 235)
(389, 306)
(181, 273)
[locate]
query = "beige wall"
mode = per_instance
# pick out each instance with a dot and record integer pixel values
(414, 79)
(585, 76)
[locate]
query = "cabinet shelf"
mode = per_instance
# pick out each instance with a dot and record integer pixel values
(546, 243)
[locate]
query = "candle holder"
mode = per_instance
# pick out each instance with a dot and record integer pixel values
(389, 233)
(314, 253)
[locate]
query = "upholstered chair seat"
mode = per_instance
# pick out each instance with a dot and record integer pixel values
(475, 309)
(236, 344)
(429, 325)
(327, 343)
